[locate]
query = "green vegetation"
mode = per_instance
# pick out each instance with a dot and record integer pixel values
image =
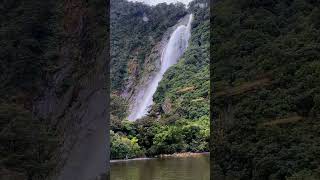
(32, 36)
(182, 98)
(132, 38)
(149, 137)
(123, 147)
(266, 99)
(26, 52)
(186, 85)
(26, 142)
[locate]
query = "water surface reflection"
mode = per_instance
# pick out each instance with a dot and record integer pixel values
(189, 168)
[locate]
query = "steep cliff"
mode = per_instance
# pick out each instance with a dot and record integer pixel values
(136, 33)
(55, 89)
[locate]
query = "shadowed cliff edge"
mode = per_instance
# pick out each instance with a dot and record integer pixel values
(85, 121)
(55, 90)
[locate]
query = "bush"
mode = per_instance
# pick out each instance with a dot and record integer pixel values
(169, 140)
(122, 147)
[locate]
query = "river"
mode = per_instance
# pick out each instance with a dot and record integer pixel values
(173, 168)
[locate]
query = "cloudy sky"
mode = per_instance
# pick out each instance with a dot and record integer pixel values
(153, 2)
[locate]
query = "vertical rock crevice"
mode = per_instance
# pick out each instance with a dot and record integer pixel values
(76, 100)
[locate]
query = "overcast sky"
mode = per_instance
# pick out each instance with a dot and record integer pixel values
(154, 2)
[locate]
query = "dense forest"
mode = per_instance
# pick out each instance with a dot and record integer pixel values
(135, 29)
(26, 142)
(266, 76)
(182, 97)
(35, 45)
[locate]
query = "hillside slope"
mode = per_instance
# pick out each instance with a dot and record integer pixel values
(266, 64)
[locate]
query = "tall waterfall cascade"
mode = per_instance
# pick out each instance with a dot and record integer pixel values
(173, 51)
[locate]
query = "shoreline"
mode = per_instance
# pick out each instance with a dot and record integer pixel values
(181, 155)
(164, 156)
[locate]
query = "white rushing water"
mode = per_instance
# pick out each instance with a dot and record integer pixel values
(174, 49)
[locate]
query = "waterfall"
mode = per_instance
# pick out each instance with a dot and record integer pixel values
(174, 49)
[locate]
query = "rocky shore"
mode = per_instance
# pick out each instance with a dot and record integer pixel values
(182, 155)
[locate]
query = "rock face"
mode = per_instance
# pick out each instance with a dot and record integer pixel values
(166, 106)
(151, 65)
(85, 130)
(76, 97)
(82, 123)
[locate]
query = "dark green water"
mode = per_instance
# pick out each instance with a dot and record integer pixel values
(189, 168)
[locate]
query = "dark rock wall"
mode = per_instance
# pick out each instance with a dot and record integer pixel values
(76, 99)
